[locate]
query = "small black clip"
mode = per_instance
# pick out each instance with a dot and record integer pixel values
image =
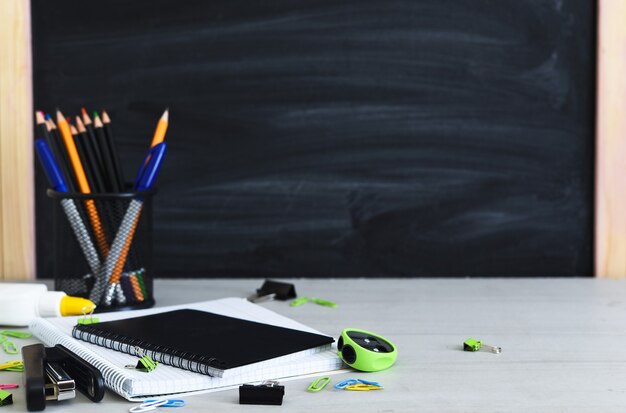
(273, 290)
(268, 393)
(6, 398)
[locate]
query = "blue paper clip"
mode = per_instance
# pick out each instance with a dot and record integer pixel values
(343, 384)
(148, 405)
(371, 383)
(169, 403)
(351, 382)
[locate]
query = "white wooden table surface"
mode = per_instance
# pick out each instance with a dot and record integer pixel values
(563, 345)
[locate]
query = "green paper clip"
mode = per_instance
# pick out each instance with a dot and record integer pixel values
(16, 334)
(318, 384)
(9, 347)
(325, 303)
(299, 301)
(6, 398)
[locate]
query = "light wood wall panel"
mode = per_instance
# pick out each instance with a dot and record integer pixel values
(610, 227)
(17, 246)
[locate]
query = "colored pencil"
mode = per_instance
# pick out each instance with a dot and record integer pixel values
(88, 158)
(53, 145)
(87, 122)
(66, 134)
(107, 166)
(159, 133)
(40, 119)
(110, 141)
(98, 127)
(95, 150)
(72, 182)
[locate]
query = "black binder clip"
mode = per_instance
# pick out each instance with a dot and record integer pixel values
(55, 373)
(269, 393)
(6, 398)
(273, 290)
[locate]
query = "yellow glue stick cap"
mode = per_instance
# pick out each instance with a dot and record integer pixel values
(76, 305)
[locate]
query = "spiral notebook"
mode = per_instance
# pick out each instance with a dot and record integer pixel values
(202, 341)
(168, 380)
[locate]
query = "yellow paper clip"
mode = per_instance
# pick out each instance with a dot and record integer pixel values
(15, 365)
(362, 387)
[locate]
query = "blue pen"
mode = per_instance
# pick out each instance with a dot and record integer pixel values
(124, 236)
(50, 166)
(150, 167)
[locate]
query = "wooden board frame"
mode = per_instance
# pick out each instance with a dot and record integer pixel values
(17, 246)
(610, 203)
(17, 212)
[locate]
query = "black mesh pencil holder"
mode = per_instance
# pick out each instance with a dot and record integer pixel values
(103, 248)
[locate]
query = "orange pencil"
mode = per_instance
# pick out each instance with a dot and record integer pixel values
(159, 133)
(66, 134)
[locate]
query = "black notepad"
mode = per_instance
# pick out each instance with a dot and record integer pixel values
(203, 342)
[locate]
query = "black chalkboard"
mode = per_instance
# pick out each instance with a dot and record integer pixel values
(342, 138)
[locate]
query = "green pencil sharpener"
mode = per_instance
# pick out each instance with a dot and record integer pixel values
(366, 351)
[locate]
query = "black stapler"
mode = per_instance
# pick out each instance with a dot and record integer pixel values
(55, 373)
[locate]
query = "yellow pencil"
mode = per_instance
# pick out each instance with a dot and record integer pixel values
(159, 133)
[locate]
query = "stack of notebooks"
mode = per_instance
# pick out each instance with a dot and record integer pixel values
(201, 347)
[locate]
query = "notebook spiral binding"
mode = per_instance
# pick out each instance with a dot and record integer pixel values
(210, 366)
